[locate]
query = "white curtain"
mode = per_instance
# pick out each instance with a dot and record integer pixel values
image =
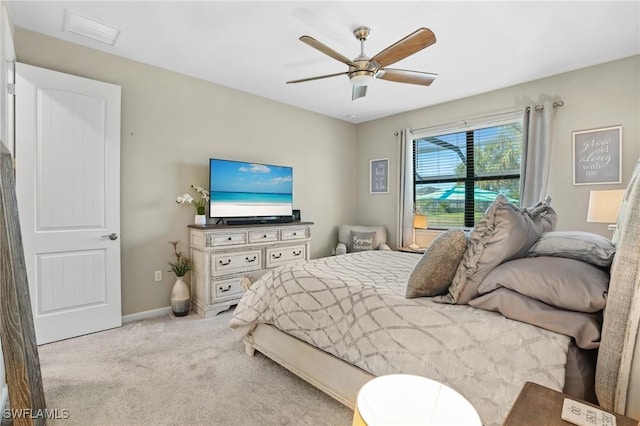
(537, 128)
(405, 203)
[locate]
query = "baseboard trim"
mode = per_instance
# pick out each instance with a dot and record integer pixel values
(153, 313)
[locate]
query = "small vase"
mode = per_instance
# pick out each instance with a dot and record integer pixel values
(200, 219)
(180, 298)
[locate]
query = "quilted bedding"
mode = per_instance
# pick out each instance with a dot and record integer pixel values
(354, 307)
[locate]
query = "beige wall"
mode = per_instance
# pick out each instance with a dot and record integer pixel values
(598, 96)
(171, 125)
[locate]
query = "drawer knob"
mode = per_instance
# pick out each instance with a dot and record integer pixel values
(224, 289)
(278, 256)
(297, 253)
(229, 239)
(224, 263)
(253, 259)
(295, 233)
(264, 236)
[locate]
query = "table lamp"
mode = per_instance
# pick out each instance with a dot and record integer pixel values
(408, 400)
(604, 207)
(420, 221)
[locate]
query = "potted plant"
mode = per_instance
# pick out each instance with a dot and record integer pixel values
(180, 298)
(199, 203)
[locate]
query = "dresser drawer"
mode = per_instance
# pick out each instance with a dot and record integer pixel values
(294, 233)
(226, 239)
(263, 236)
(226, 289)
(280, 255)
(224, 255)
(228, 263)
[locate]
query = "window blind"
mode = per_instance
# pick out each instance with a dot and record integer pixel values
(458, 174)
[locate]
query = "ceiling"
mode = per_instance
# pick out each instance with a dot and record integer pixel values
(254, 47)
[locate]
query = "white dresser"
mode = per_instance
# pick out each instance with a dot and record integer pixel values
(223, 255)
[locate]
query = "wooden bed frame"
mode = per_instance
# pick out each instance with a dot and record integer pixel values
(330, 374)
(617, 379)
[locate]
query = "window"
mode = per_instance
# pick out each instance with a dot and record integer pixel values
(458, 173)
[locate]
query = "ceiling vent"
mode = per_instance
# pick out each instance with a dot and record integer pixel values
(90, 28)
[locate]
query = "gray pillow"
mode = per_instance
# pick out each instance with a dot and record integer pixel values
(432, 275)
(564, 283)
(578, 245)
(583, 327)
(543, 215)
(505, 232)
(363, 241)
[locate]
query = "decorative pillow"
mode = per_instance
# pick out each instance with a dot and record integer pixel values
(362, 241)
(547, 220)
(505, 232)
(583, 327)
(434, 272)
(543, 215)
(564, 283)
(578, 245)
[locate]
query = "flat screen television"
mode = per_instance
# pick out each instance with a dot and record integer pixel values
(249, 190)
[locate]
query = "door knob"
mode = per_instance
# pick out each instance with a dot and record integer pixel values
(113, 236)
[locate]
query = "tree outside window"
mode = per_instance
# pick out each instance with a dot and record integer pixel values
(458, 174)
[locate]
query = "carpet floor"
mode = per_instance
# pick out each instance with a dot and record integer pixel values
(176, 371)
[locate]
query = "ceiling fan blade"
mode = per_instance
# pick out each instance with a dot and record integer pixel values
(358, 92)
(302, 80)
(414, 42)
(325, 49)
(406, 76)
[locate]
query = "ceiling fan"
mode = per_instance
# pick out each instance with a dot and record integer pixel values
(363, 70)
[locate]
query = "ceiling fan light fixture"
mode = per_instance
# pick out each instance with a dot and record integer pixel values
(363, 70)
(361, 78)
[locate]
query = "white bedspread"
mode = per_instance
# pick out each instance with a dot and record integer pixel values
(353, 306)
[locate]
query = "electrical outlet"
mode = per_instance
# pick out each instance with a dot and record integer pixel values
(158, 275)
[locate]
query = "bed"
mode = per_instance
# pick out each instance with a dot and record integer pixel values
(339, 321)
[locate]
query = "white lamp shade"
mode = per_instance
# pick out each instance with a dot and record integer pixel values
(403, 399)
(604, 206)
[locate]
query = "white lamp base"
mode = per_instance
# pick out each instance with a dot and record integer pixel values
(414, 246)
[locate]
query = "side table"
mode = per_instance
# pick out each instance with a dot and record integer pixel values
(540, 406)
(420, 250)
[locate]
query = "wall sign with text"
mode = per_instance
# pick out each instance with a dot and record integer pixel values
(597, 156)
(379, 176)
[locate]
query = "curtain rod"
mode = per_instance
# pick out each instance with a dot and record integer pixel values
(541, 107)
(556, 104)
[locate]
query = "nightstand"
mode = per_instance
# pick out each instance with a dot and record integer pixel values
(540, 406)
(420, 250)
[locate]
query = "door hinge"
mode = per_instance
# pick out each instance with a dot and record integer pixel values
(11, 88)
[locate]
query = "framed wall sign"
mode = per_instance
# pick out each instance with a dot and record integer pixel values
(379, 176)
(597, 156)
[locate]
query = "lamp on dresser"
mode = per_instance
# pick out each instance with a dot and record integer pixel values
(604, 207)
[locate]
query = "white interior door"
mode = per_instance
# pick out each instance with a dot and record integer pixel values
(68, 189)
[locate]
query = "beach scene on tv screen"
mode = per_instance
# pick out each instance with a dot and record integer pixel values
(249, 189)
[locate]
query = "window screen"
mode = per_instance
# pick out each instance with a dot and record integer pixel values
(458, 174)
